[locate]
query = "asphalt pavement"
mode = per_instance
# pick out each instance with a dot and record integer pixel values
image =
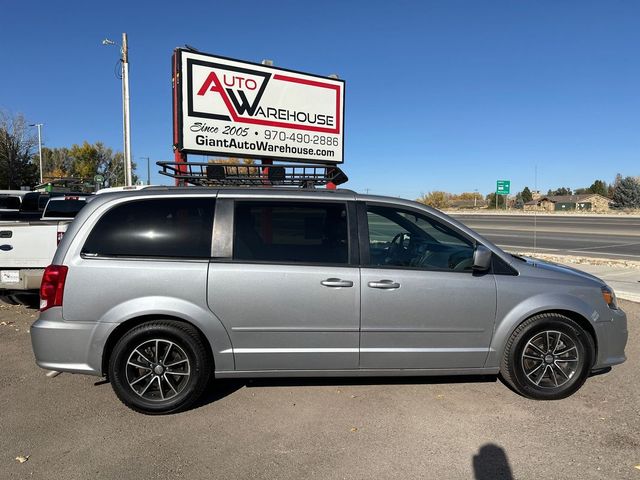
(615, 237)
(73, 426)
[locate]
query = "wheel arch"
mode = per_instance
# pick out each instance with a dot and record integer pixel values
(133, 322)
(572, 308)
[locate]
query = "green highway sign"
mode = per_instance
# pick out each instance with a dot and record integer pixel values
(503, 187)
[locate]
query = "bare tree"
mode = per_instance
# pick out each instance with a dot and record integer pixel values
(17, 145)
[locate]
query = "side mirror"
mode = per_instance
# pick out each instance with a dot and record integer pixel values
(481, 259)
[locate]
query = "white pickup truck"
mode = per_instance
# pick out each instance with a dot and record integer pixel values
(27, 247)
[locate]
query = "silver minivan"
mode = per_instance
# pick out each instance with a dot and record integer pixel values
(163, 289)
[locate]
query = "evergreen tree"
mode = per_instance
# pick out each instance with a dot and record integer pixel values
(599, 187)
(627, 193)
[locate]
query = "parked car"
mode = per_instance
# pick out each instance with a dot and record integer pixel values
(162, 289)
(27, 247)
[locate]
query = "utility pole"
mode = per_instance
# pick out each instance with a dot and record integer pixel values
(126, 129)
(125, 110)
(39, 125)
(148, 169)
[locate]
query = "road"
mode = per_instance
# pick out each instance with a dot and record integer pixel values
(74, 427)
(590, 236)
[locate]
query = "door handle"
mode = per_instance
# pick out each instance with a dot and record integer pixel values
(336, 282)
(384, 284)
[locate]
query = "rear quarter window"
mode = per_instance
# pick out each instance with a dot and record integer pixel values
(168, 227)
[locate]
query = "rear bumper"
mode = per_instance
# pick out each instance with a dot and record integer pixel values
(74, 347)
(29, 279)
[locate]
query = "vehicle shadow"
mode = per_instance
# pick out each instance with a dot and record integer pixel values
(491, 463)
(222, 388)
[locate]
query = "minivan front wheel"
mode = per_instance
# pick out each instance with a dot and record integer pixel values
(159, 367)
(548, 357)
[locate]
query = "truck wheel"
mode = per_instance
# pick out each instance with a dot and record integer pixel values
(548, 357)
(160, 367)
(8, 299)
(31, 300)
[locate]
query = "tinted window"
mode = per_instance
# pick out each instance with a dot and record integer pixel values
(10, 202)
(171, 227)
(63, 208)
(399, 238)
(30, 202)
(291, 232)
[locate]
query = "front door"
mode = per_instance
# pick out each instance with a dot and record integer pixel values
(423, 307)
(290, 295)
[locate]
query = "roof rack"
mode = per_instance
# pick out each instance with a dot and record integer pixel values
(231, 174)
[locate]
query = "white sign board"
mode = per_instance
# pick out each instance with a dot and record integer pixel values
(232, 108)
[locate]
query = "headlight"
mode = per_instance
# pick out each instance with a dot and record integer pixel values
(609, 297)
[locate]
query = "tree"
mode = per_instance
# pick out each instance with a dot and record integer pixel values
(599, 187)
(435, 199)
(526, 195)
(560, 191)
(88, 160)
(17, 168)
(491, 200)
(519, 202)
(627, 193)
(464, 196)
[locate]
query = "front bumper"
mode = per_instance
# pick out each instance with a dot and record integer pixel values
(612, 339)
(74, 347)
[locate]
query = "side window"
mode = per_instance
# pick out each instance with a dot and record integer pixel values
(399, 238)
(291, 232)
(164, 227)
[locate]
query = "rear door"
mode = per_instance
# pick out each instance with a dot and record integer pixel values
(287, 289)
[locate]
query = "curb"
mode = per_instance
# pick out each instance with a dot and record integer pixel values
(630, 297)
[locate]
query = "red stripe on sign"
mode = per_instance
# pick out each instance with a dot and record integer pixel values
(313, 83)
(269, 123)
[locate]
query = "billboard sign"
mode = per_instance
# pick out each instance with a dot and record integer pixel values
(233, 108)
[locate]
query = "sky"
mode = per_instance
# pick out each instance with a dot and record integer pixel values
(440, 95)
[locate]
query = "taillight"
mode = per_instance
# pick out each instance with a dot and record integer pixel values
(52, 286)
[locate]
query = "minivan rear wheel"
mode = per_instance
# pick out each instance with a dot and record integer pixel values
(159, 367)
(548, 357)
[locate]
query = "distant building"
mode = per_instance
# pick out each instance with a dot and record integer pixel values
(566, 203)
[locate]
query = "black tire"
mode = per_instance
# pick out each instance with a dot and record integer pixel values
(30, 300)
(569, 351)
(8, 299)
(169, 353)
